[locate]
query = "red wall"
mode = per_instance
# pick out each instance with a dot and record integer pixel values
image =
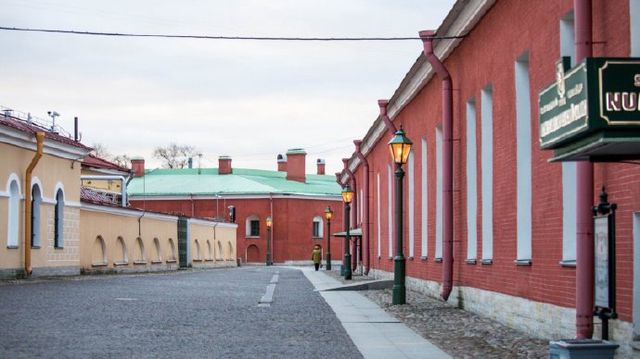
(487, 56)
(292, 222)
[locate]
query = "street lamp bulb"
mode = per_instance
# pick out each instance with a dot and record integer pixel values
(328, 213)
(347, 194)
(269, 221)
(400, 147)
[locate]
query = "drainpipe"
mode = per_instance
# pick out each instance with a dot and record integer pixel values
(354, 211)
(584, 193)
(365, 210)
(27, 202)
(391, 128)
(447, 162)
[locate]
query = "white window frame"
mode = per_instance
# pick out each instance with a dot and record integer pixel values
(424, 249)
(412, 195)
(472, 183)
(523, 160)
(248, 233)
(13, 211)
(36, 214)
(58, 225)
(486, 149)
(320, 234)
(439, 186)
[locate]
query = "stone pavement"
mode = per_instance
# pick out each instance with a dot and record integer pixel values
(373, 331)
(459, 333)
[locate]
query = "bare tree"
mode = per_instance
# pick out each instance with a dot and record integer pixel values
(100, 150)
(175, 156)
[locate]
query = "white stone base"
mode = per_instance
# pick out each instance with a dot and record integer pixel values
(537, 319)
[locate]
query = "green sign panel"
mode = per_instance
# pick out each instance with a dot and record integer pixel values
(597, 95)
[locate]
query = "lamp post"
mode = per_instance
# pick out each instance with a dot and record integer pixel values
(347, 196)
(269, 224)
(328, 213)
(400, 147)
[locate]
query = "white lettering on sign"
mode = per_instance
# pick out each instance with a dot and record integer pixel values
(575, 90)
(636, 80)
(622, 101)
(564, 118)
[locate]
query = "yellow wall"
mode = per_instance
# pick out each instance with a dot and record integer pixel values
(50, 173)
(111, 237)
(216, 243)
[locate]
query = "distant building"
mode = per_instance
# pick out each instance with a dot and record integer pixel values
(295, 201)
(80, 225)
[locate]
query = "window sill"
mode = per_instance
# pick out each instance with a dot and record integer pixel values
(197, 260)
(35, 247)
(523, 262)
(12, 247)
(120, 263)
(411, 258)
(252, 237)
(58, 248)
(568, 263)
(99, 264)
(390, 258)
(317, 238)
(156, 262)
(438, 260)
(171, 261)
(471, 261)
(486, 262)
(208, 260)
(424, 258)
(139, 262)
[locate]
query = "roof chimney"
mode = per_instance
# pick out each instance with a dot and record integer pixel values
(296, 164)
(320, 163)
(282, 163)
(190, 162)
(137, 166)
(224, 165)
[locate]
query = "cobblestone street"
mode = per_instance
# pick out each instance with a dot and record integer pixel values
(186, 314)
(459, 333)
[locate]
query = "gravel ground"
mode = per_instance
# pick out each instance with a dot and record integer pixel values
(459, 333)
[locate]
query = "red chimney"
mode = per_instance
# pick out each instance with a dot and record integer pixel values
(296, 164)
(282, 163)
(137, 165)
(320, 163)
(224, 165)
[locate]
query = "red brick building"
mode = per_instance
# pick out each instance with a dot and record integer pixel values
(514, 218)
(295, 201)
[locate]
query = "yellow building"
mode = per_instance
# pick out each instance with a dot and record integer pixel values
(53, 225)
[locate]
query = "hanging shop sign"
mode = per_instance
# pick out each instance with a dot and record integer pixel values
(592, 109)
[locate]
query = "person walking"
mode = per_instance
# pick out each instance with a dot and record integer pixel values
(316, 256)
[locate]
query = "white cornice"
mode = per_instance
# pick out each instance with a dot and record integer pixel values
(225, 197)
(127, 212)
(460, 21)
(212, 223)
(27, 141)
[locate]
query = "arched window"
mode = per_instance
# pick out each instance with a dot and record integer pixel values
(197, 245)
(253, 226)
(140, 257)
(13, 222)
(316, 230)
(58, 234)
(156, 244)
(99, 252)
(121, 257)
(209, 251)
(172, 250)
(36, 201)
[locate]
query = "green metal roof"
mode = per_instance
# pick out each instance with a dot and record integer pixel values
(207, 181)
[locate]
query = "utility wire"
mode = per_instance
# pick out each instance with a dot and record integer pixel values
(212, 37)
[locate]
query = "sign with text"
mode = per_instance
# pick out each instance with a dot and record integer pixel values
(598, 95)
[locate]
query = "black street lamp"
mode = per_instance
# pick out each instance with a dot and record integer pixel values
(347, 196)
(328, 213)
(400, 147)
(269, 224)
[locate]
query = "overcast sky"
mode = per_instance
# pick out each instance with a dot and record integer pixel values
(246, 99)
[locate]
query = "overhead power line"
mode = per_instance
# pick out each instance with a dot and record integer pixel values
(216, 37)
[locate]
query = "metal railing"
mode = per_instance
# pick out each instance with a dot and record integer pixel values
(45, 124)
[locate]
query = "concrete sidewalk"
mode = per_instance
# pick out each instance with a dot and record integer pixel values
(375, 333)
